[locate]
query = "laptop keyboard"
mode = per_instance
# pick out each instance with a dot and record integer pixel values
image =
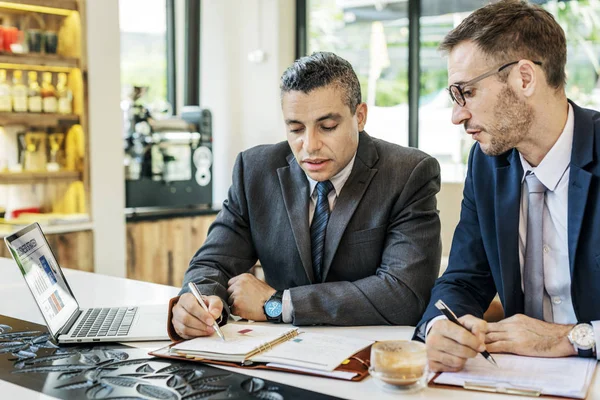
(97, 322)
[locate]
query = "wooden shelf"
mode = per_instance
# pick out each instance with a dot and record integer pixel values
(38, 61)
(38, 177)
(36, 119)
(43, 6)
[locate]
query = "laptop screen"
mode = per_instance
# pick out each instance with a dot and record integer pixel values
(41, 271)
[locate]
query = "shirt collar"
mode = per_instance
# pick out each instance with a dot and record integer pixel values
(338, 181)
(555, 163)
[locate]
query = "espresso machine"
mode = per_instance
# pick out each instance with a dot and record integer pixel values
(168, 162)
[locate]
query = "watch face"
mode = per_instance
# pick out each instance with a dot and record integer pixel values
(583, 336)
(273, 308)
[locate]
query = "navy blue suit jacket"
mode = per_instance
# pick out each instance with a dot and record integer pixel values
(484, 258)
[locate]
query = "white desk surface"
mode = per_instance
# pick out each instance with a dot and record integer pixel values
(93, 290)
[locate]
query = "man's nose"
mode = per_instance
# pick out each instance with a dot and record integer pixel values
(312, 142)
(460, 114)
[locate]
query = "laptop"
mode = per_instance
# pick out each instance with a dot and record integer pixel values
(66, 321)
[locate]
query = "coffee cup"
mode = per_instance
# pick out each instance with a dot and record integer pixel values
(399, 365)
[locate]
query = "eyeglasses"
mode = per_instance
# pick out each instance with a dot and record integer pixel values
(456, 90)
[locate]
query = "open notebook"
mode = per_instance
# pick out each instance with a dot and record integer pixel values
(275, 347)
(525, 376)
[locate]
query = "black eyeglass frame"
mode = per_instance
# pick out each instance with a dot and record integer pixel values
(460, 99)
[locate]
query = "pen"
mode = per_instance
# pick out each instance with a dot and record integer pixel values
(198, 296)
(440, 305)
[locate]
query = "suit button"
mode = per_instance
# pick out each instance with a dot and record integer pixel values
(546, 249)
(556, 300)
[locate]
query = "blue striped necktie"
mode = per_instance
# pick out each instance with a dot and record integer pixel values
(318, 228)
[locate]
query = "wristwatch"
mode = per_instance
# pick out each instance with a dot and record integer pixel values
(273, 307)
(582, 338)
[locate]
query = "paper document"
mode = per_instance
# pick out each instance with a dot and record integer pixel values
(273, 344)
(314, 351)
(568, 377)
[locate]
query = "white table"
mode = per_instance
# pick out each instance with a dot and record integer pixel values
(93, 290)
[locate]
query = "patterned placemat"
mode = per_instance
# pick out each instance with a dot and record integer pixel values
(29, 358)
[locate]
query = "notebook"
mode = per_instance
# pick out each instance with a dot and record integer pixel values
(278, 347)
(526, 376)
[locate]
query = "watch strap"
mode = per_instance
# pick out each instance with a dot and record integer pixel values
(589, 353)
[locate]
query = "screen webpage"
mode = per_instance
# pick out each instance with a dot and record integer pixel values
(40, 269)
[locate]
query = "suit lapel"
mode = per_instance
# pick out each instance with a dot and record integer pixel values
(507, 205)
(295, 190)
(348, 200)
(579, 178)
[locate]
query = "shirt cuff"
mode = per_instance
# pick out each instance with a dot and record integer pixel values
(287, 309)
(596, 326)
(430, 323)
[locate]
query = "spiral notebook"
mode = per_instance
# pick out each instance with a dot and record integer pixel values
(279, 348)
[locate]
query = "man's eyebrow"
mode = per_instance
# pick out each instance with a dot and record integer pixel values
(333, 116)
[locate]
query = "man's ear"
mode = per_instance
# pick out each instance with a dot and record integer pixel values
(361, 116)
(527, 78)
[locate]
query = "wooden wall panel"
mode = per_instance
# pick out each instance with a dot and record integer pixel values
(160, 251)
(73, 250)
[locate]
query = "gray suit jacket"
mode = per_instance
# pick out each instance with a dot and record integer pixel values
(382, 244)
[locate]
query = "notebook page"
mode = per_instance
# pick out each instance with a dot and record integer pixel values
(314, 350)
(569, 377)
(241, 339)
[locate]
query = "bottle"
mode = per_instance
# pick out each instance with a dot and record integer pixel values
(19, 93)
(49, 101)
(5, 99)
(64, 94)
(34, 100)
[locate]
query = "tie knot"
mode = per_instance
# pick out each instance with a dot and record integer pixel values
(324, 187)
(533, 184)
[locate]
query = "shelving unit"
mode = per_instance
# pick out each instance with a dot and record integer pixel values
(38, 62)
(12, 178)
(37, 119)
(64, 192)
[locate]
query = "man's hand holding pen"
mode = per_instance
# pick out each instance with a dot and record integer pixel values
(449, 345)
(191, 320)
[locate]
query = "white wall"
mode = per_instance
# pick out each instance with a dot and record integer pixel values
(105, 136)
(243, 96)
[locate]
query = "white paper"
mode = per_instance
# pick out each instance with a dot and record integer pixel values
(568, 377)
(331, 374)
(314, 351)
(240, 339)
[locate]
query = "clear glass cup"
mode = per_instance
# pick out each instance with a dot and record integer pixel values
(399, 365)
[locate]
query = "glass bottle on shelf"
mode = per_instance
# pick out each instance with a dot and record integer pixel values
(5, 101)
(55, 140)
(64, 94)
(34, 100)
(49, 101)
(19, 92)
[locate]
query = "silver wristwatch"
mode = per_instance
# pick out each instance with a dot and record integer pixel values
(583, 340)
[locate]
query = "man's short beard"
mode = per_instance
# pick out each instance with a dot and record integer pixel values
(513, 120)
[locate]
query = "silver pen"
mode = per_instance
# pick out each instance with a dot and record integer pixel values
(196, 292)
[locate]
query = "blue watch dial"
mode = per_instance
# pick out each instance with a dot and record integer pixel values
(273, 308)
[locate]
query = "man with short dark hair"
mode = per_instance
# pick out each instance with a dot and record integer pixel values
(345, 226)
(531, 202)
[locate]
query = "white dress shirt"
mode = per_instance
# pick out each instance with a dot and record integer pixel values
(338, 181)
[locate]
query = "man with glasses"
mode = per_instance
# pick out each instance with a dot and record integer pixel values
(531, 197)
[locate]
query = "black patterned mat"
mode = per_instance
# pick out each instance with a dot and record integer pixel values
(30, 359)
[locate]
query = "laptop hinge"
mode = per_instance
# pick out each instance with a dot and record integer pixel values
(67, 327)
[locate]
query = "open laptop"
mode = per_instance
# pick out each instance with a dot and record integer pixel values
(66, 321)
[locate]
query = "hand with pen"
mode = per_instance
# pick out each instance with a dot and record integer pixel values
(191, 320)
(450, 345)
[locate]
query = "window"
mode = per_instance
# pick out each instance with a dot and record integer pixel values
(373, 36)
(144, 49)
(375, 42)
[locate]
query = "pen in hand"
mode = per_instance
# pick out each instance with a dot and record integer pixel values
(196, 292)
(440, 305)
